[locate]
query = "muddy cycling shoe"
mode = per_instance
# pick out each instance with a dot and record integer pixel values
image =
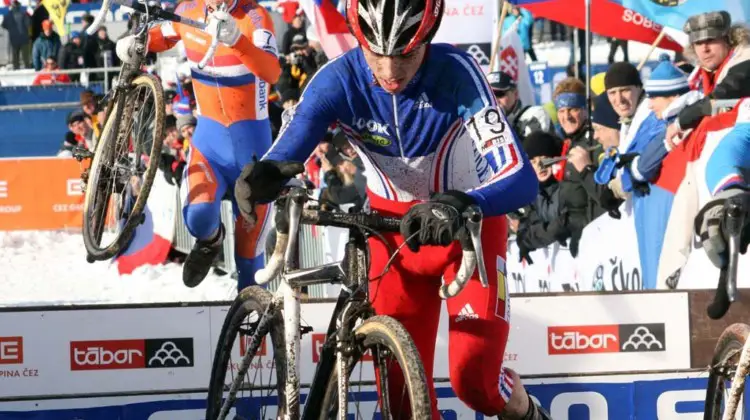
(198, 262)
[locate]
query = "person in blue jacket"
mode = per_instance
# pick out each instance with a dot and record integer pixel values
(525, 22)
(47, 45)
(653, 203)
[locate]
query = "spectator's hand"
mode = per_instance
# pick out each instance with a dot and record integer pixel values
(223, 26)
(672, 132)
(616, 186)
(524, 253)
(513, 224)
(325, 164)
(579, 157)
(125, 49)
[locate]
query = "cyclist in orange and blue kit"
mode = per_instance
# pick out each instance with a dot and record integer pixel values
(233, 127)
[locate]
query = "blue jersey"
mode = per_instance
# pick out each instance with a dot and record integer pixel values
(443, 132)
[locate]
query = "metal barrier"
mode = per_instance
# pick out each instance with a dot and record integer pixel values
(311, 248)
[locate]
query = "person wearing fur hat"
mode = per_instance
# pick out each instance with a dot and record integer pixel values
(722, 51)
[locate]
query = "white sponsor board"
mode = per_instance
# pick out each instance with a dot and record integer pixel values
(153, 349)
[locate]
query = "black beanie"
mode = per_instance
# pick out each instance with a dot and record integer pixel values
(604, 114)
(540, 143)
(622, 74)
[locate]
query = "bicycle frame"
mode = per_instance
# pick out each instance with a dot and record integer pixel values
(352, 274)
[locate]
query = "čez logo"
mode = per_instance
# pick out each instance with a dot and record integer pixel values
(74, 187)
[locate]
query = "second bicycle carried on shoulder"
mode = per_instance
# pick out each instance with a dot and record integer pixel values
(125, 159)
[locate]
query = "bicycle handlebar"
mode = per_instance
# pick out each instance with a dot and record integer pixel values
(157, 12)
(91, 30)
(286, 239)
(736, 209)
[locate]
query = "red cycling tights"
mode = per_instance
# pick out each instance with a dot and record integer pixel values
(478, 317)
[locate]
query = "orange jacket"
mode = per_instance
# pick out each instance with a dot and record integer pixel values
(235, 84)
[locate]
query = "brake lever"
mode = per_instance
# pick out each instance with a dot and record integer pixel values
(733, 222)
(473, 216)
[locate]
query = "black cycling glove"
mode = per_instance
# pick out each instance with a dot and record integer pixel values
(439, 221)
(262, 182)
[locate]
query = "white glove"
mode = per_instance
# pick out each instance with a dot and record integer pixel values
(125, 49)
(222, 26)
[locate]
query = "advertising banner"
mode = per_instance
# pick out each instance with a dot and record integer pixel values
(40, 194)
(618, 397)
(92, 351)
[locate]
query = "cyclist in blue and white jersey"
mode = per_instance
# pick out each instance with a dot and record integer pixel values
(428, 128)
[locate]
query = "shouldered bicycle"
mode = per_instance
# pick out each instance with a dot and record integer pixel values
(126, 156)
(355, 333)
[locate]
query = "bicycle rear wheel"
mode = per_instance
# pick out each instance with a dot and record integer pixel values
(259, 381)
(123, 169)
(723, 367)
(388, 342)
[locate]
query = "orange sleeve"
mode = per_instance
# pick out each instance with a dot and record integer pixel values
(257, 49)
(37, 80)
(163, 37)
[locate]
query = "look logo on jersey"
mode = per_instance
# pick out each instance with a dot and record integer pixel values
(373, 132)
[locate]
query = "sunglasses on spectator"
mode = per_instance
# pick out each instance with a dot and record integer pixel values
(500, 93)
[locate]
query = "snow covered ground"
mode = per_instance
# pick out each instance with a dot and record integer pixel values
(50, 268)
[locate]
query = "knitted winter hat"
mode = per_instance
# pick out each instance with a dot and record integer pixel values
(541, 143)
(186, 120)
(622, 74)
(666, 80)
(604, 114)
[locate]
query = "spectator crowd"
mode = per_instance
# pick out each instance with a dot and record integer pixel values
(33, 42)
(570, 142)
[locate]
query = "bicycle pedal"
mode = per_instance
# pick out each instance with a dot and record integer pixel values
(304, 329)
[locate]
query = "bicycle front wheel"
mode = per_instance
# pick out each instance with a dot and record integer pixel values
(261, 385)
(393, 352)
(723, 368)
(123, 169)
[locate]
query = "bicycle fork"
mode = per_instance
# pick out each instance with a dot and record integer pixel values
(291, 300)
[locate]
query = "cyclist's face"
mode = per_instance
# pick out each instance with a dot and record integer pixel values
(394, 73)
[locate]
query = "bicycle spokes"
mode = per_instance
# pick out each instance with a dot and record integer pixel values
(255, 395)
